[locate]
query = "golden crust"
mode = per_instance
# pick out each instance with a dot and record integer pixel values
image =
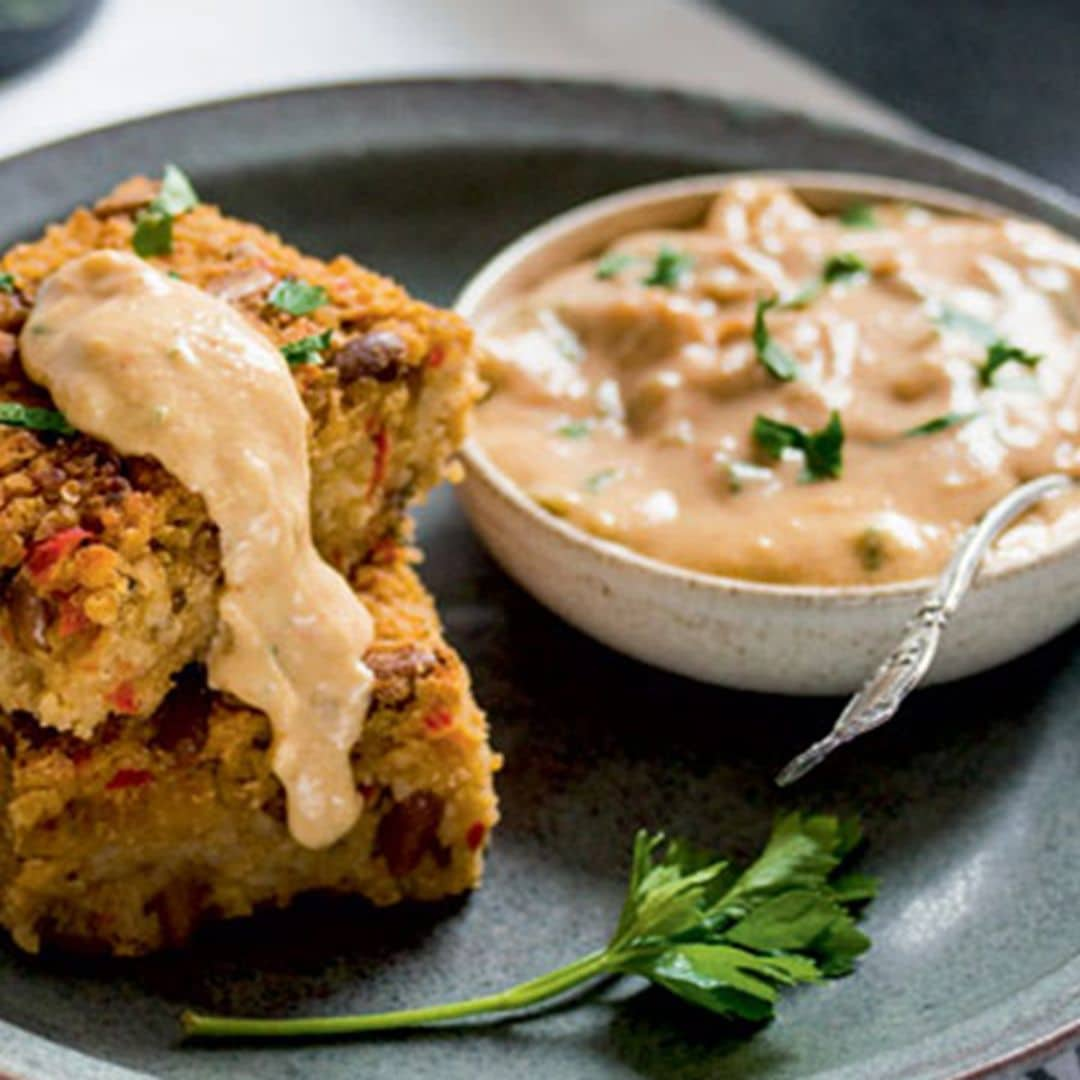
(109, 567)
(126, 842)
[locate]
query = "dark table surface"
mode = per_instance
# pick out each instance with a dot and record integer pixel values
(1000, 75)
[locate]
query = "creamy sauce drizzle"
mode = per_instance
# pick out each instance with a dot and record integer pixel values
(156, 367)
(628, 408)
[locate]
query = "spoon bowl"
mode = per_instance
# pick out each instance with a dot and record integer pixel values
(790, 639)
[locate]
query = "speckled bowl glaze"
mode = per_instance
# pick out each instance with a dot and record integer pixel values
(743, 634)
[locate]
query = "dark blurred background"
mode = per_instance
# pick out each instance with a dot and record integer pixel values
(1000, 75)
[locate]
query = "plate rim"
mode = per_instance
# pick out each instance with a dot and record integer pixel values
(926, 144)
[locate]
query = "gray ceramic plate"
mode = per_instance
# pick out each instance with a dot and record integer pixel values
(970, 801)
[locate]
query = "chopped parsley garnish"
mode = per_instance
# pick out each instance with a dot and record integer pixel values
(805, 295)
(772, 356)
(176, 196)
(950, 318)
(774, 436)
(669, 269)
(842, 267)
(7, 282)
(297, 297)
(153, 226)
(939, 423)
(613, 264)
(871, 548)
(693, 924)
(34, 418)
(153, 233)
(600, 480)
(574, 429)
(308, 350)
(822, 450)
(859, 215)
(1002, 352)
(999, 351)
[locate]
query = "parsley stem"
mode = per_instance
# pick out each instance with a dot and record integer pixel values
(517, 997)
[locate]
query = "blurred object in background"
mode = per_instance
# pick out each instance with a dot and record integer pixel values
(999, 75)
(31, 30)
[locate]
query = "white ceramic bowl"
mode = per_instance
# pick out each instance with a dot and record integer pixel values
(775, 638)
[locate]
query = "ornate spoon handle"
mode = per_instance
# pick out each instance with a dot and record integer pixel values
(903, 669)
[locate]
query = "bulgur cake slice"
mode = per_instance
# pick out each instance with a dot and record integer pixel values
(126, 841)
(109, 569)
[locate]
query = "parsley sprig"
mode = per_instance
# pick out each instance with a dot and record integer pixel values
(601, 481)
(296, 297)
(34, 418)
(153, 225)
(772, 356)
(670, 268)
(308, 350)
(822, 450)
(722, 940)
(858, 215)
(7, 282)
(574, 429)
(999, 350)
(939, 423)
(843, 267)
(1002, 352)
(613, 264)
(949, 318)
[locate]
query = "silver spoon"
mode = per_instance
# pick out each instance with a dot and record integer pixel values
(904, 668)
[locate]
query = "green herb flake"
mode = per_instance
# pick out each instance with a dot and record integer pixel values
(297, 297)
(772, 356)
(939, 423)
(774, 436)
(34, 418)
(950, 318)
(176, 196)
(803, 296)
(670, 268)
(613, 264)
(153, 233)
(308, 350)
(843, 267)
(719, 939)
(871, 549)
(822, 450)
(600, 481)
(153, 226)
(7, 283)
(574, 429)
(1001, 352)
(858, 215)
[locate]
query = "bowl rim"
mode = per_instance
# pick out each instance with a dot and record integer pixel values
(480, 467)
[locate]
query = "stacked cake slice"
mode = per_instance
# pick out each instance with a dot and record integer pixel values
(134, 802)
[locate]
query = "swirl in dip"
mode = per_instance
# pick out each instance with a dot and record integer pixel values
(787, 397)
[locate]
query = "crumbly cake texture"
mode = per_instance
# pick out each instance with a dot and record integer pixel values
(109, 568)
(125, 842)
